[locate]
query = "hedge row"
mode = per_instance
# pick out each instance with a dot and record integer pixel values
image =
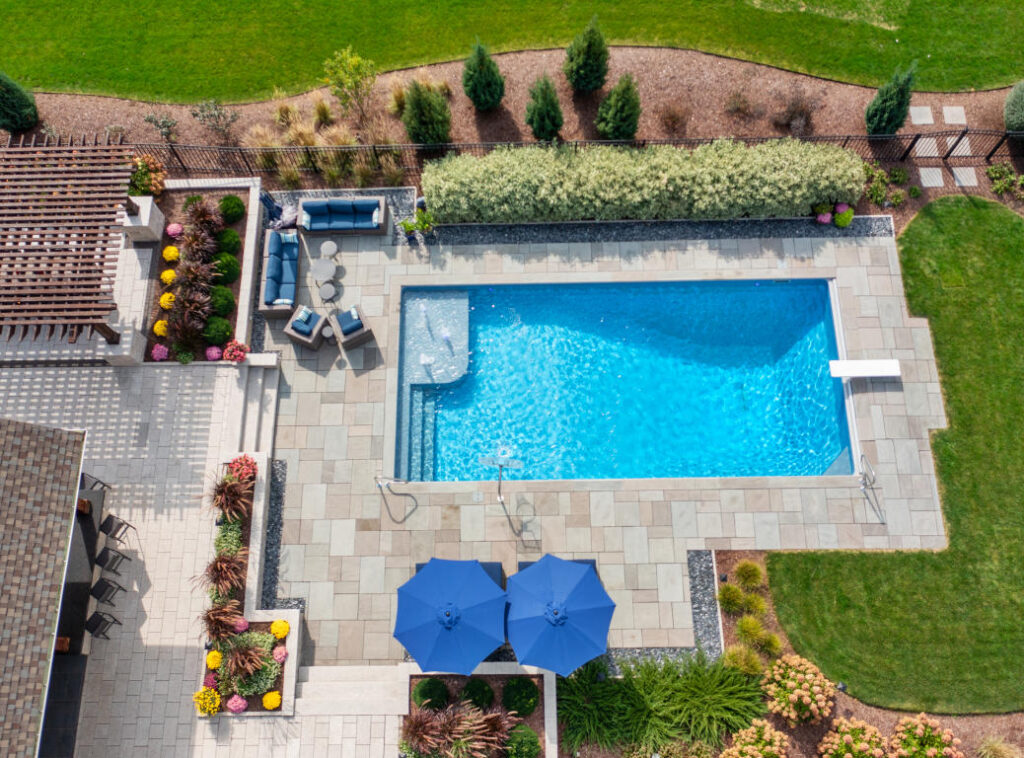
(721, 180)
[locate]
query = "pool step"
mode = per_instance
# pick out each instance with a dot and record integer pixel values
(415, 434)
(427, 444)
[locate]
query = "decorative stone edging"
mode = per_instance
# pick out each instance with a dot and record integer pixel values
(646, 231)
(707, 627)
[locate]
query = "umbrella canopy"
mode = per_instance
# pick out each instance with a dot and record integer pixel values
(559, 614)
(450, 616)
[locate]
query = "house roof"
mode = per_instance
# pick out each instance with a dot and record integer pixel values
(39, 476)
(60, 235)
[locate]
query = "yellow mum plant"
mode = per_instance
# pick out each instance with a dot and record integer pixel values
(272, 700)
(168, 275)
(160, 328)
(214, 659)
(207, 701)
(279, 629)
(167, 300)
(171, 254)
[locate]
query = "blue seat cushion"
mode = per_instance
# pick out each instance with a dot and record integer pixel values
(289, 272)
(339, 206)
(287, 292)
(319, 223)
(290, 252)
(364, 223)
(365, 206)
(271, 291)
(274, 245)
(343, 221)
(315, 207)
(274, 267)
(306, 328)
(349, 323)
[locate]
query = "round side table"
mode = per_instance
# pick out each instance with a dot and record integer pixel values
(328, 333)
(323, 269)
(328, 291)
(328, 248)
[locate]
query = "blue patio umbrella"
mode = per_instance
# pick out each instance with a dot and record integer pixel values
(451, 616)
(558, 615)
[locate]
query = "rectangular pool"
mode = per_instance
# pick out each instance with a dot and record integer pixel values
(621, 381)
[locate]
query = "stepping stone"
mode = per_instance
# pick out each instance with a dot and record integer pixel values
(931, 177)
(954, 114)
(921, 114)
(963, 149)
(965, 176)
(926, 147)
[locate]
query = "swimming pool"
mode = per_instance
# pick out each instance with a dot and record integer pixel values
(625, 381)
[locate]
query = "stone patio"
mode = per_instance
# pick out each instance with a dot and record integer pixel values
(343, 554)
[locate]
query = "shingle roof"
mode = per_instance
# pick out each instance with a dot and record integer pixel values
(39, 470)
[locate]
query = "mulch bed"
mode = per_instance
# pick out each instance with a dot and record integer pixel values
(804, 739)
(455, 683)
(170, 203)
(695, 82)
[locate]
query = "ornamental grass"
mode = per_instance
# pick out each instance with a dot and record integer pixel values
(459, 729)
(245, 660)
(220, 619)
(923, 737)
(759, 740)
(233, 498)
(852, 738)
(797, 691)
(226, 572)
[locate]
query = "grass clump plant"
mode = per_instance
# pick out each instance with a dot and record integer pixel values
(749, 629)
(994, 746)
(730, 598)
(749, 575)
(743, 658)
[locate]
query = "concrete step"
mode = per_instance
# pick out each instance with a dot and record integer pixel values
(350, 674)
(251, 416)
(352, 691)
(231, 435)
(355, 704)
(268, 411)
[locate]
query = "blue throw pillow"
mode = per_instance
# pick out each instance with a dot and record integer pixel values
(365, 205)
(271, 292)
(274, 244)
(290, 238)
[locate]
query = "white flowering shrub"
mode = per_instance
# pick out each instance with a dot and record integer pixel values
(720, 180)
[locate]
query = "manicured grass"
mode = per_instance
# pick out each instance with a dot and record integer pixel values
(193, 49)
(941, 631)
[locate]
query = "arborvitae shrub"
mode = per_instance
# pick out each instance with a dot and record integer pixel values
(543, 113)
(427, 117)
(887, 112)
(482, 81)
(17, 106)
(586, 59)
(619, 113)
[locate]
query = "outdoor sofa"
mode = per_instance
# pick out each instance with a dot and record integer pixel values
(280, 273)
(361, 215)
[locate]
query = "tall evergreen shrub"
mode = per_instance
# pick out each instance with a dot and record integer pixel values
(427, 117)
(586, 59)
(543, 113)
(482, 81)
(17, 106)
(887, 112)
(1013, 109)
(619, 113)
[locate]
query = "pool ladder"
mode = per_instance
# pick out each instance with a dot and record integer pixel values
(868, 489)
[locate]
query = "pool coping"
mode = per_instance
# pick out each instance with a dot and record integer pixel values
(392, 359)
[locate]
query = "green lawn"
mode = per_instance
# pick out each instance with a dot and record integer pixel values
(945, 631)
(192, 49)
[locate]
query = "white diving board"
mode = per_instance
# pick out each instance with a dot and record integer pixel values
(884, 368)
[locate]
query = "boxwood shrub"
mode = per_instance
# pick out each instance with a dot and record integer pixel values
(222, 300)
(226, 268)
(433, 692)
(720, 180)
(228, 241)
(523, 742)
(231, 208)
(218, 330)
(520, 695)
(479, 693)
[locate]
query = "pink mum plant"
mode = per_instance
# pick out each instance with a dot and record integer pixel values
(280, 653)
(824, 218)
(210, 680)
(243, 468)
(214, 353)
(160, 352)
(842, 208)
(235, 351)
(174, 231)
(237, 704)
(241, 625)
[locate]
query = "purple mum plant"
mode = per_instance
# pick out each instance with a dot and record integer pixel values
(160, 352)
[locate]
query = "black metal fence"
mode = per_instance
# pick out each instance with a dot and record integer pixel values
(404, 163)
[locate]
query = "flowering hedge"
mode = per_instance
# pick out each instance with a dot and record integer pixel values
(797, 691)
(760, 740)
(923, 737)
(720, 180)
(852, 738)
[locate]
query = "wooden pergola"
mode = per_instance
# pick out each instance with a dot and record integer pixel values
(60, 235)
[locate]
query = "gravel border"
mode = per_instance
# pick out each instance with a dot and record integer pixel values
(640, 231)
(272, 541)
(704, 601)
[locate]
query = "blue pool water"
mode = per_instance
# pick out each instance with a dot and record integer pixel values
(679, 379)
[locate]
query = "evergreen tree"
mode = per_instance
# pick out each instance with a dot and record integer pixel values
(619, 113)
(586, 59)
(427, 118)
(482, 81)
(17, 106)
(543, 113)
(887, 112)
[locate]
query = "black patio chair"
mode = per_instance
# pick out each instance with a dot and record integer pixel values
(494, 569)
(99, 623)
(105, 590)
(110, 559)
(115, 528)
(583, 561)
